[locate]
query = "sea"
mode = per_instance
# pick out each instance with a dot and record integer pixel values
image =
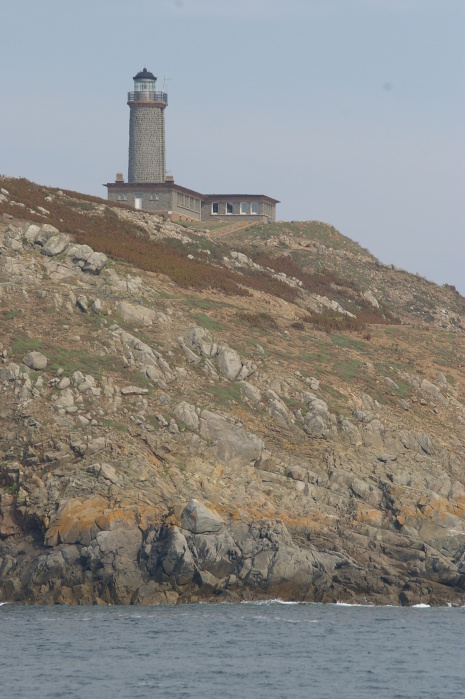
(263, 650)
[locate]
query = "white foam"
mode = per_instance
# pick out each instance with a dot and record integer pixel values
(270, 601)
(352, 604)
(421, 606)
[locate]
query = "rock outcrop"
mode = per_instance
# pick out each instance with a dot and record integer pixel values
(165, 441)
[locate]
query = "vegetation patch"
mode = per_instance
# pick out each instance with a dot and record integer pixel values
(330, 321)
(225, 393)
(207, 322)
(23, 345)
(258, 321)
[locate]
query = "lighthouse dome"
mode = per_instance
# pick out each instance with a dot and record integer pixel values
(144, 75)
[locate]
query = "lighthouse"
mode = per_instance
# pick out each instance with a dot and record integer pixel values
(146, 130)
(150, 189)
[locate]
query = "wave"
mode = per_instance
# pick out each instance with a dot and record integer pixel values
(271, 601)
(358, 604)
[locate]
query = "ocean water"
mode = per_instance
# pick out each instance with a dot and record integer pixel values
(257, 650)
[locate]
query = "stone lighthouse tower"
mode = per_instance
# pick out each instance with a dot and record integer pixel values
(149, 188)
(146, 130)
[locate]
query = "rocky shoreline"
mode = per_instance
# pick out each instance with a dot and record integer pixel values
(165, 445)
(108, 556)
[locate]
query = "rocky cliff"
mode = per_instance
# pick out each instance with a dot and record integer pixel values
(190, 414)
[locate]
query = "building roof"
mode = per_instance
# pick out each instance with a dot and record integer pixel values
(223, 197)
(168, 186)
(144, 75)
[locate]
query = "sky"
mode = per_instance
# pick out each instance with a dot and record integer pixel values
(350, 112)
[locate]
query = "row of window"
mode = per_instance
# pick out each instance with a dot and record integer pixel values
(243, 207)
(188, 202)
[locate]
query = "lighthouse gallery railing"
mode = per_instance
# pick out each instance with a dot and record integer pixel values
(148, 96)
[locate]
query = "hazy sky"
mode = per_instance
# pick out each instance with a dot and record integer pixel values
(347, 111)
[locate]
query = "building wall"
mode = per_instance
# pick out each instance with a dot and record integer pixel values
(186, 204)
(265, 210)
(182, 206)
(146, 144)
(151, 201)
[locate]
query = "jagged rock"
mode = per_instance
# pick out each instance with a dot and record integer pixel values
(229, 363)
(234, 444)
(55, 245)
(9, 372)
(135, 314)
(308, 397)
(82, 303)
(247, 369)
(65, 400)
(317, 419)
(156, 375)
(200, 340)
(170, 558)
(79, 253)
(192, 358)
(241, 259)
(425, 443)
(277, 409)
(297, 473)
(35, 360)
(85, 384)
(97, 306)
(9, 520)
(250, 392)
(105, 471)
(13, 244)
(371, 299)
(173, 427)
(134, 391)
(313, 383)
(143, 353)
(46, 231)
(216, 553)
(209, 369)
(95, 263)
(199, 519)
(430, 389)
(184, 412)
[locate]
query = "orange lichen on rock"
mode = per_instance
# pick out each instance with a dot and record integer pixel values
(78, 520)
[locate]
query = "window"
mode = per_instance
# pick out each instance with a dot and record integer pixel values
(122, 197)
(254, 207)
(243, 207)
(215, 207)
(138, 201)
(229, 207)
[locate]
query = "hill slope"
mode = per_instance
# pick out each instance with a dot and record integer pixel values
(208, 414)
